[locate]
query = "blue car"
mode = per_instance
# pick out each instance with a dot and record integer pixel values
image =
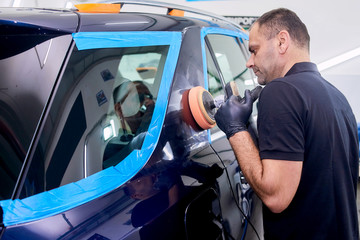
(107, 129)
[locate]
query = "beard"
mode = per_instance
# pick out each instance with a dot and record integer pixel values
(260, 76)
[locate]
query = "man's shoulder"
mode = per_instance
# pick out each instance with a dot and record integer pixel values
(281, 86)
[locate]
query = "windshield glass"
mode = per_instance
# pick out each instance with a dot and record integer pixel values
(100, 114)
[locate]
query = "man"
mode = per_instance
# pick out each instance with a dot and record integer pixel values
(134, 106)
(305, 168)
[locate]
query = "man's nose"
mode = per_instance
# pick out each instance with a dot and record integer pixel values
(250, 62)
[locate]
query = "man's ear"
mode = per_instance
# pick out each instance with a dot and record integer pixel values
(283, 38)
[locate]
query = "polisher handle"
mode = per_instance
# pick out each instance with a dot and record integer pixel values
(255, 93)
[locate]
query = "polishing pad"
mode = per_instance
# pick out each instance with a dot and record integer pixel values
(202, 107)
(199, 106)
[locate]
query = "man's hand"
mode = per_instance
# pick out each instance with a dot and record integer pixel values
(233, 115)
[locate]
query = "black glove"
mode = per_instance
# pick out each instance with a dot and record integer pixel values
(234, 114)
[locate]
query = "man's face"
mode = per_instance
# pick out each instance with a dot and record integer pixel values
(143, 187)
(264, 56)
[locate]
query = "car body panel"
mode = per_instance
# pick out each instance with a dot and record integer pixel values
(56, 20)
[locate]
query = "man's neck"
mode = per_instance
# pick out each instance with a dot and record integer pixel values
(297, 56)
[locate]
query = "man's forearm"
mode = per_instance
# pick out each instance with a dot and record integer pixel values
(248, 158)
(274, 181)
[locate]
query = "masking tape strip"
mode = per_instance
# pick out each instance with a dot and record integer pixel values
(93, 40)
(215, 30)
(66, 197)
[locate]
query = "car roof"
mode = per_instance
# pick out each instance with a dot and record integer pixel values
(65, 20)
(50, 19)
(137, 22)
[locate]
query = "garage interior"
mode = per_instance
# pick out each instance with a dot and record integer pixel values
(333, 28)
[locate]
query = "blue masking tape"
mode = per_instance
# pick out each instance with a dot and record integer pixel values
(61, 199)
(92, 40)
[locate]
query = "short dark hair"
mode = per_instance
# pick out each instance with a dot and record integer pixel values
(274, 21)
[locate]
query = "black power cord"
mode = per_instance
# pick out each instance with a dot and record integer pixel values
(233, 194)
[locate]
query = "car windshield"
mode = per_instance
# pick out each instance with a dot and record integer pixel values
(101, 112)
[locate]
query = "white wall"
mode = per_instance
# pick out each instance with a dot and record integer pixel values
(333, 27)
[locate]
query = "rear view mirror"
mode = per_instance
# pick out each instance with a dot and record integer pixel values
(146, 72)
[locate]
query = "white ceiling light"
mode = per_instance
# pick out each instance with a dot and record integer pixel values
(16, 3)
(339, 59)
(69, 4)
(109, 131)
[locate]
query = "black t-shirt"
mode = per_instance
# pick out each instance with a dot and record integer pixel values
(302, 117)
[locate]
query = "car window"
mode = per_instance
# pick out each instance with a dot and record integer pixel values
(140, 66)
(63, 151)
(214, 80)
(226, 62)
(100, 114)
(231, 60)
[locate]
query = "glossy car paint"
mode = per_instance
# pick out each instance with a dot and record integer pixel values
(199, 210)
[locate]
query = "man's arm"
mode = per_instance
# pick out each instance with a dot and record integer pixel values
(274, 181)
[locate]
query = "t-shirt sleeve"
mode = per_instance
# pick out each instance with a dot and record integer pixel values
(280, 122)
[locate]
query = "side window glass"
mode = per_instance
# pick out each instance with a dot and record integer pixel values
(214, 80)
(226, 61)
(232, 61)
(100, 114)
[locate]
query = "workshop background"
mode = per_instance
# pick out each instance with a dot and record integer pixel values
(333, 27)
